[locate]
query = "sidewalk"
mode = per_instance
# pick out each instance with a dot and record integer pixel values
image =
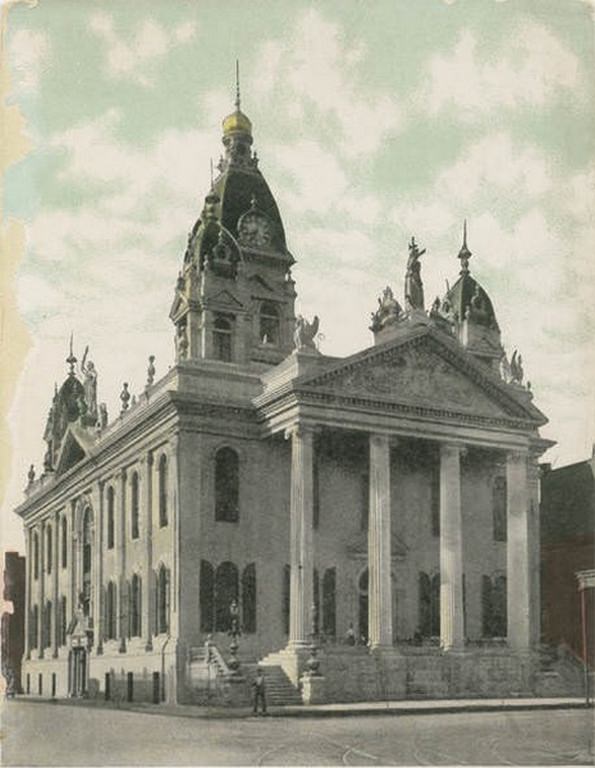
(352, 709)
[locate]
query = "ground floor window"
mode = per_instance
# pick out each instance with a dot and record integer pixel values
(429, 605)
(493, 606)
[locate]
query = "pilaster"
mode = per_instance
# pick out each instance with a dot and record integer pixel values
(380, 619)
(148, 545)
(122, 588)
(55, 576)
(451, 549)
(518, 552)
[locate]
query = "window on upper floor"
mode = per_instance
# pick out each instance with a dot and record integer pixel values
(162, 482)
(222, 339)
(111, 524)
(227, 485)
(269, 331)
(35, 556)
(499, 508)
(134, 506)
(64, 530)
(49, 548)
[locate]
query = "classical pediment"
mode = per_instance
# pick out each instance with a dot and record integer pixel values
(74, 448)
(225, 300)
(423, 371)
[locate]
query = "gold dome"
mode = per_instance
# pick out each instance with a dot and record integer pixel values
(237, 122)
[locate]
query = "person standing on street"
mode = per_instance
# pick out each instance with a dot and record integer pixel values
(259, 692)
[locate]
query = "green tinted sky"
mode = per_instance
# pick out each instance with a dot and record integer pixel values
(373, 120)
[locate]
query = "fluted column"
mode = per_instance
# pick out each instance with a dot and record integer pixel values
(518, 553)
(380, 619)
(55, 576)
(123, 588)
(148, 545)
(42, 561)
(301, 556)
(451, 549)
(28, 567)
(98, 541)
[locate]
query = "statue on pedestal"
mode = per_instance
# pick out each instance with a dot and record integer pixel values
(305, 333)
(414, 289)
(388, 312)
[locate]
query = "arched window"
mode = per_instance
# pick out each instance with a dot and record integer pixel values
(63, 621)
(207, 596)
(111, 525)
(35, 556)
(499, 505)
(329, 609)
(134, 503)
(135, 606)
(249, 599)
(111, 611)
(49, 549)
(162, 600)
(222, 339)
(226, 590)
(34, 635)
(64, 542)
(269, 323)
(47, 625)
(87, 559)
(162, 474)
(227, 485)
(285, 592)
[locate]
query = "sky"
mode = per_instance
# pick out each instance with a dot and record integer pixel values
(373, 121)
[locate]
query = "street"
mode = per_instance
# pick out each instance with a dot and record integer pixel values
(46, 734)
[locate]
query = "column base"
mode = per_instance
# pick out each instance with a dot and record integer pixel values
(383, 648)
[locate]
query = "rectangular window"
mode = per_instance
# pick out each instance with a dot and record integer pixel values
(435, 499)
(364, 501)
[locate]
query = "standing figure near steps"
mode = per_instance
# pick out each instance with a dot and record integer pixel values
(259, 692)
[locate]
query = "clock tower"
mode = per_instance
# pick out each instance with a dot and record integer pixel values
(234, 297)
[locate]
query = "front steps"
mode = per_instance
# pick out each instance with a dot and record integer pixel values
(280, 691)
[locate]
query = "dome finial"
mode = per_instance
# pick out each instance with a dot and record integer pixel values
(238, 84)
(464, 253)
(71, 359)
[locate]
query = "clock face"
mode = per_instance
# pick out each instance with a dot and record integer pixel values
(255, 230)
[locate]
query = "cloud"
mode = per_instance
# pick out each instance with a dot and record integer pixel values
(529, 69)
(132, 56)
(315, 72)
(30, 54)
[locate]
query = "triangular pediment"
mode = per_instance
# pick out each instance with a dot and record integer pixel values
(422, 371)
(259, 286)
(72, 451)
(225, 300)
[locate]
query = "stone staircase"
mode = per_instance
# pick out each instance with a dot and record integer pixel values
(280, 691)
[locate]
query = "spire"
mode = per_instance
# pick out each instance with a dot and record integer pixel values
(464, 253)
(71, 359)
(237, 85)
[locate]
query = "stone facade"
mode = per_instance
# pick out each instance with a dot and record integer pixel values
(385, 499)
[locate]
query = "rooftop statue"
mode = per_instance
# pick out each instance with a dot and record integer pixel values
(305, 333)
(388, 312)
(414, 289)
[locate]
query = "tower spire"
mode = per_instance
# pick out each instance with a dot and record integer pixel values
(464, 253)
(238, 85)
(71, 359)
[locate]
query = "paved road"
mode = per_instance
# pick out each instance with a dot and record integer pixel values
(46, 734)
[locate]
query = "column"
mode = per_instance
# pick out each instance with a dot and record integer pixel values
(534, 548)
(174, 521)
(451, 549)
(28, 571)
(380, 619)
(148, 544)
(41, 612)
(517, 551)
(73, 602)
(55, 575)
(301, 593)
(98, 588)
(123, 587)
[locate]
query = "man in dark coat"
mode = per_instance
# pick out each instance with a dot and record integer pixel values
(259, 692)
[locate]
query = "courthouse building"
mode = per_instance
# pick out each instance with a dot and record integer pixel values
(382, 507)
